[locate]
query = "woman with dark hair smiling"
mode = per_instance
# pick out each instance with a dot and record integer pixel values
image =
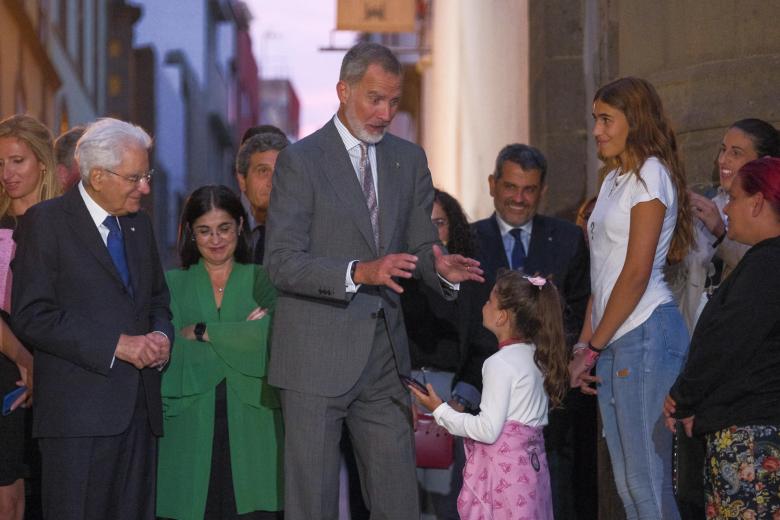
(221, 453)
(729, 389)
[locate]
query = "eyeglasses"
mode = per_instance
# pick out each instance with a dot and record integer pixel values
(439, 222)
(134, 179)
(226, 230)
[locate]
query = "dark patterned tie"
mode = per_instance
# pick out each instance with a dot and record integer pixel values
(367, 183)
(518, 251)
(116, 248)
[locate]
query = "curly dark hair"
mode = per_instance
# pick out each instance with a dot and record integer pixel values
(461, 240)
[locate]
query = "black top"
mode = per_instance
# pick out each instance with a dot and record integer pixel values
(732, 375)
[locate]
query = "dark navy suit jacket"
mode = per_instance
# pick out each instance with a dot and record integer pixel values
(557, 250)
(71, 305)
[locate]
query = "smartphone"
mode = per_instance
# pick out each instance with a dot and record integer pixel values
(409, 381)
(10, 397)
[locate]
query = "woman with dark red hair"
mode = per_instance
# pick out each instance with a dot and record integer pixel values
(729, 389)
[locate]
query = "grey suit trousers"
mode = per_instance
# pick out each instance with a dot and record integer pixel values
(378, 416)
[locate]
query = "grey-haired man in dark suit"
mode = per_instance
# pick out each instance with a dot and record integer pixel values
(90, 295)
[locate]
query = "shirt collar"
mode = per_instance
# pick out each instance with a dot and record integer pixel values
(350, 141)
(505, 228)
(97, 213)
(248, 208)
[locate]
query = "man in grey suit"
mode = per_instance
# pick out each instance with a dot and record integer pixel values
(349, 215)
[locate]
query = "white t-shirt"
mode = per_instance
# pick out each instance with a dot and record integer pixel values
(608, 228)
(512, 388)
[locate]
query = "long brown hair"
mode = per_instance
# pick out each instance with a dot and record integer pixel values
(649, 134)
(39, 139)
(537, 316)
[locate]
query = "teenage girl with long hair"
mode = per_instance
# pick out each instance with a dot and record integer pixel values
(641, 221)
(506, 474)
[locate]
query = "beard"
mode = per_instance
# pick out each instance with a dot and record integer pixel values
(357, 127)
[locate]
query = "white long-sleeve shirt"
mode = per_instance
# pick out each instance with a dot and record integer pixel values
(512, 388)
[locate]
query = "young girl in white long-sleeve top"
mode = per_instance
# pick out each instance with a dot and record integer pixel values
(506, 474)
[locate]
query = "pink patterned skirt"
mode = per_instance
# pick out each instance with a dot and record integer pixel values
(508, 479)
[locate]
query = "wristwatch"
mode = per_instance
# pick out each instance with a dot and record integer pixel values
(200, 329)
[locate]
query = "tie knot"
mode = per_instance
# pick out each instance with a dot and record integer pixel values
(111, 223)
(516, 233)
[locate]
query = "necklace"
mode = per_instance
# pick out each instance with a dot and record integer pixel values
(220, 289)
(615, 183)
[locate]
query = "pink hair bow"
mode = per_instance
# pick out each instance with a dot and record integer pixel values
(538, 281)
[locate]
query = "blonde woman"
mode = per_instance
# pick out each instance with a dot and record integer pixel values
(27, 176)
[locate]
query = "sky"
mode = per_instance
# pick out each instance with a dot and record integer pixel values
(286, 38)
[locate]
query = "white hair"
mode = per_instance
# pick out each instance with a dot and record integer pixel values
(103, 142)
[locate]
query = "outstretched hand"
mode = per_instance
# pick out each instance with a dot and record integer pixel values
(456, 268)
(382, 270)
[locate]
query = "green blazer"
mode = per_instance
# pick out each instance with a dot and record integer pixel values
(237, 352)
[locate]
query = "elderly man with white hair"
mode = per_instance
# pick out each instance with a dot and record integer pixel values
(90, 296)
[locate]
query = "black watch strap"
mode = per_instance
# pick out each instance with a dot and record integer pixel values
(200, 329)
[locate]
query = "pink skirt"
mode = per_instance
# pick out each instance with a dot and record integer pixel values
(508, 479)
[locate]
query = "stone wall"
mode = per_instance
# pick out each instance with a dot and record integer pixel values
(712, 62)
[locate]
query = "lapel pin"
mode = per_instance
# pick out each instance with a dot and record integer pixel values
(397, 164)
(132, 228)
(549, 239)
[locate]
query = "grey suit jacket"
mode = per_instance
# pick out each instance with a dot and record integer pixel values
(317, 223)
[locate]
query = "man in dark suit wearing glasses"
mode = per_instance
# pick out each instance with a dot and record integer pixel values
(89, 294)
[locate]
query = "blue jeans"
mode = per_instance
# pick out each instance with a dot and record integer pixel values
(636, 372)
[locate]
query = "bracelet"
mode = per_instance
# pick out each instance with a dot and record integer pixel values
(594, 349)
(719, 240)
(578, 346)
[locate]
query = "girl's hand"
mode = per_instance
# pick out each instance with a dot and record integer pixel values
(588, 383)
(257, 314)
(581, 362)
(430, 401)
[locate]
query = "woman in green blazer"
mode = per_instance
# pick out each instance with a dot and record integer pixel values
(221, 453)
